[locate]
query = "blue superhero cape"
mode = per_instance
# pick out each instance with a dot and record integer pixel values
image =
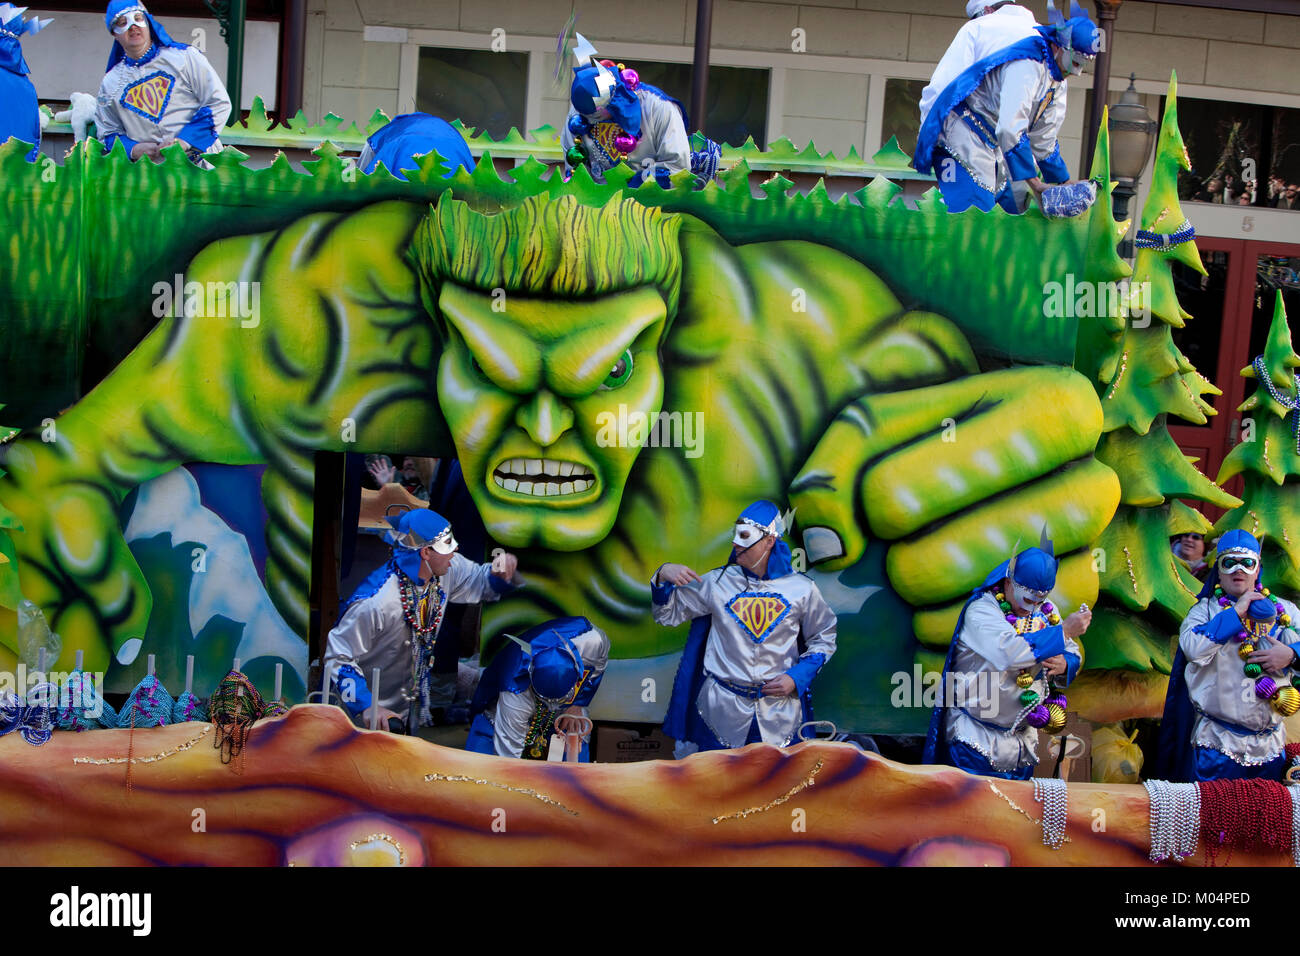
(398, 143)
(936, 742)
(686, 120)
(683, 720)
(1175, 757)
(20, 115)
(1030, 48)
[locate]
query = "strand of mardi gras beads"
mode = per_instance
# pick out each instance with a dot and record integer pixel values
(1284, 699)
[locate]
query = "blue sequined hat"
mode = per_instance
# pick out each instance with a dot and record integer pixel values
(555, 666)
(1035, 569)
(1238, 542)
(416, 529)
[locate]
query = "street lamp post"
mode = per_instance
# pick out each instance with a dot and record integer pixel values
(1132, 135)
(1107, 14)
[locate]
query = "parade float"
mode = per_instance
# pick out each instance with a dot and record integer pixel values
(919, 392)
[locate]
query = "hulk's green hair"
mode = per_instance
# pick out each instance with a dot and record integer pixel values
(550, 247)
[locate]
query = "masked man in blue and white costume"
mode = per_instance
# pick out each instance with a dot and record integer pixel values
(392, 619)
(156, 91)
(552, 669)
(759, 635)
(1230, 685)
(993, 110)
(614, 117)
(20, 112)
(1008, 638)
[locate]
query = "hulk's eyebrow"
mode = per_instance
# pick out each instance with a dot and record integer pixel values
(571, 343)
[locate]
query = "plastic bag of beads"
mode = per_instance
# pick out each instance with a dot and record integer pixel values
(1115, 756)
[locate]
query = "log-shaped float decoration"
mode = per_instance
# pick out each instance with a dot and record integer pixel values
(311, 789)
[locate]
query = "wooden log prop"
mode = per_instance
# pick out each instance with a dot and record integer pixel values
(311, 789)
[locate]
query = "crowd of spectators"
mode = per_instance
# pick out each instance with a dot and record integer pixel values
(1226, 189)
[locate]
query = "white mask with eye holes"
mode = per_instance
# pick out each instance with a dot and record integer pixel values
(748, 534)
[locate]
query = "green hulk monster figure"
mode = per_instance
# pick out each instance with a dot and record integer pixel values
(513, 340)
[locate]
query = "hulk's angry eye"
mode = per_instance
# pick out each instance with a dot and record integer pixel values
(620, 373)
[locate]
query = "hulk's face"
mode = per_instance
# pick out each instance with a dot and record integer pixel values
(525, 385)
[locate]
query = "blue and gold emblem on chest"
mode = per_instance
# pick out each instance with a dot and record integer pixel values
(149, 96)
(758, 612)
(603, 135)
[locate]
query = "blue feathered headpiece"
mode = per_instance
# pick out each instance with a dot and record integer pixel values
(1078, 33)
(596, 86)
(118, 7)
(12, 28)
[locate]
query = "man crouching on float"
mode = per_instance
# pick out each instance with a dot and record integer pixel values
(760, 634)
(542, 681)
(1010, 632)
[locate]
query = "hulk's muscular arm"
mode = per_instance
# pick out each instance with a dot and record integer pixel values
(338, 355)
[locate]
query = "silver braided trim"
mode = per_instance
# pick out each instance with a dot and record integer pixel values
(1294, 791)
(1175, 819)
(1052, 796)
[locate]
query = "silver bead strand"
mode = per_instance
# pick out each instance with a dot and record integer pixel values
(1294, 791)
(1052, 796)
(1175, 826)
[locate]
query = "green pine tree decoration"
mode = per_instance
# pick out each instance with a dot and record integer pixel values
(10, 594)
(1145, 590)
(1100, 338)
(1267, 459)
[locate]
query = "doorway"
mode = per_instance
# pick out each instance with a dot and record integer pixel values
(1232, 308)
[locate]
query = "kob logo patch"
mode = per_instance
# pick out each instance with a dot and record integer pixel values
(758, 613)
(149, 96)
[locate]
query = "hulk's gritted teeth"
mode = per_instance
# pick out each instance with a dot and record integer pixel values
(523, 383)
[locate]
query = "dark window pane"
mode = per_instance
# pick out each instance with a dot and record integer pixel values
(1273, 274)
(1284, 158)
(902, 112)
(1236, 148)
(481, 89)
(737, 98)
(1204, 297)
